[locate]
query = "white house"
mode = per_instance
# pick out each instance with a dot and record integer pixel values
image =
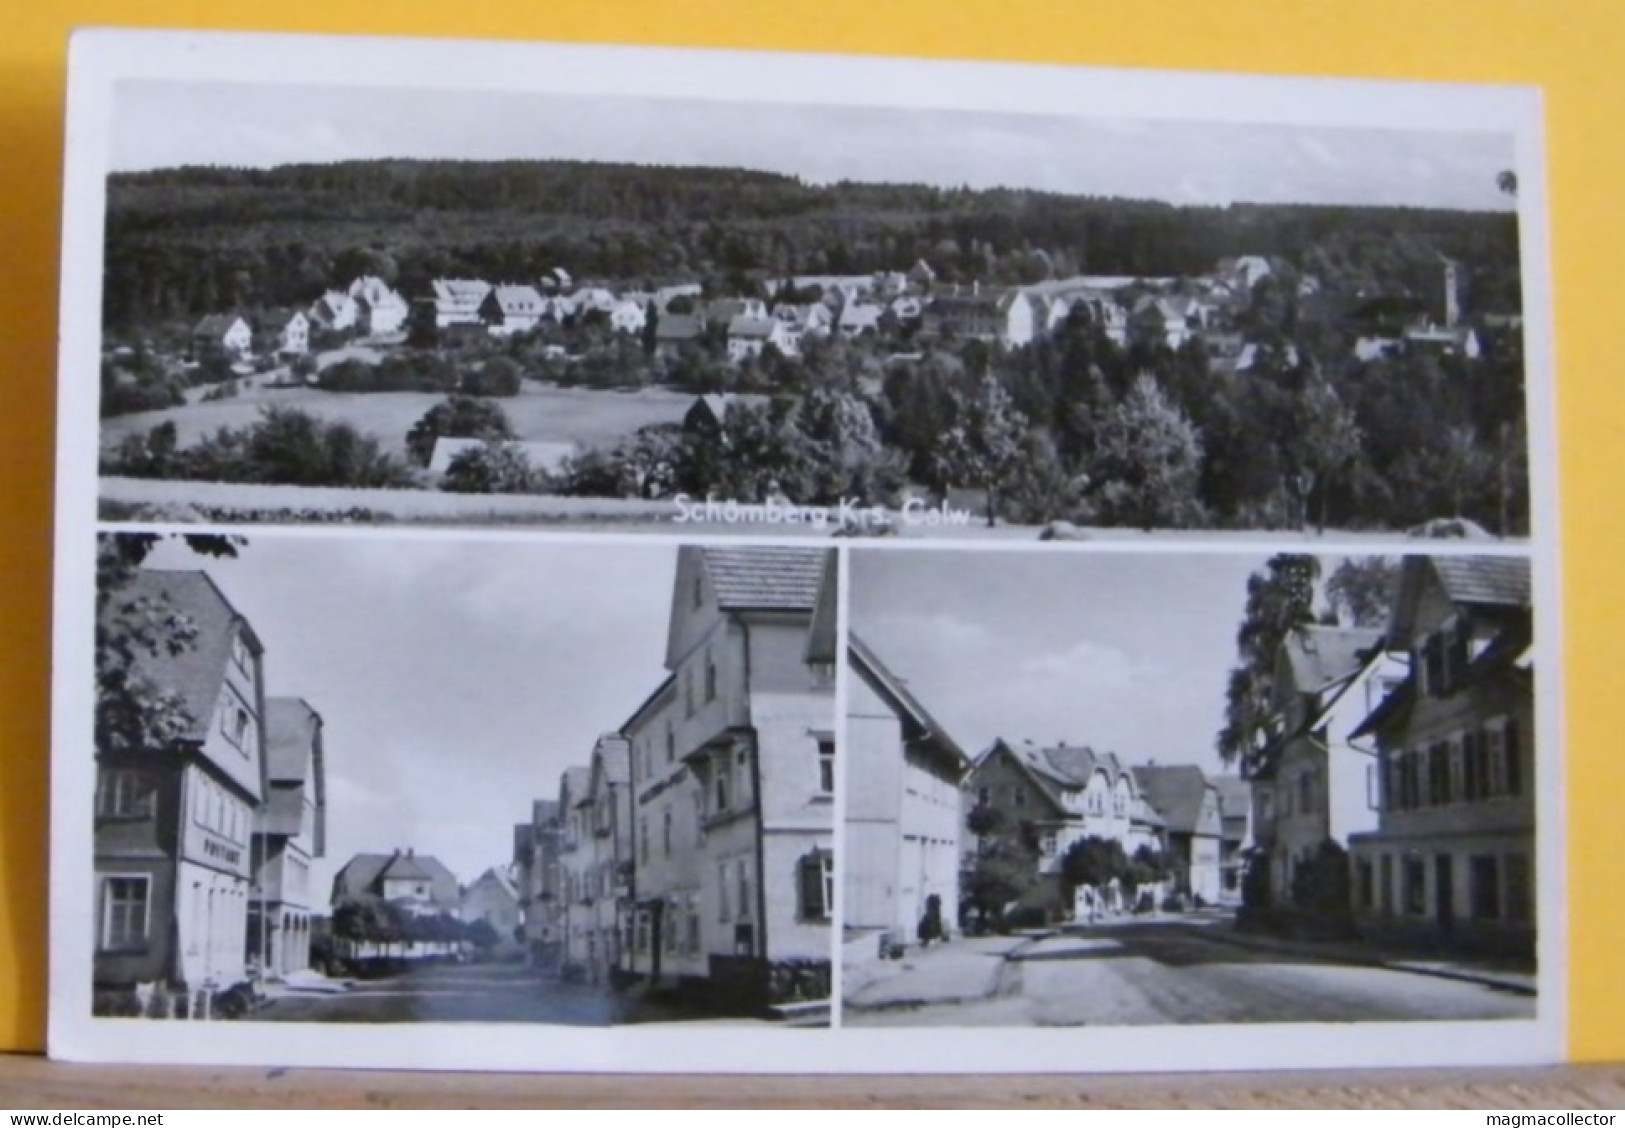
(903, 812)
(379, 309)
(457, 301)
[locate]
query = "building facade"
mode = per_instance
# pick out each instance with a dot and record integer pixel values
(1189, 802)
(904, 817)
(1452, 859)
(174, 824)
(290, 830)
(536, 871)
(733, 769)
(1320, 787)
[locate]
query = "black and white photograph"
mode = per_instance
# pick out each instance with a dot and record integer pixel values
(1128, 790)
(570, 557)
(347, 781)
(502, 307)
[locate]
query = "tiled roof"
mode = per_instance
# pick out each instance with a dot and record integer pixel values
(517, 299)
(289, 731)
(679, 327)
(766, 578)
(1319, 656)
(1176, 790)
(404, 868)
(215, 324)
(751, 327)
(362, 874)
(197, 673)
(1500, 580)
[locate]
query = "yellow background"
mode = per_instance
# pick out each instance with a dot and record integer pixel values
(1575, 49)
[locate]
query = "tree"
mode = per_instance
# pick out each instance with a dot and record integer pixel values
(1507, 182)
(1361, 590)
(983, 447)
(457, 417)
(132, 712)
(846, 458)
(1279, 599)
(494, 467)
(1323, 441)
(1147, 462)
(483, 936)
(1094, 862)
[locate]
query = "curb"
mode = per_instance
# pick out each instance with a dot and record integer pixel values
(1411, 968)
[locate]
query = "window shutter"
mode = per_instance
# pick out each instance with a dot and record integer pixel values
(1472, 781)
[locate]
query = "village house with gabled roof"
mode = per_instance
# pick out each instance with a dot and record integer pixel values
(733, 768)
(511, 309)
(493, 898)
(1189, 802)
(379, 308)
(286, 331)
(577, 920)
(290, 831)
(1452, 859)
(1315, 786)
(904, 818)
(457, 301)
(748, 336)
(333, 310)
(630, 315)
(675, 330)
(174, 825)
(222, 335)
(1058, 796)
(420, 884)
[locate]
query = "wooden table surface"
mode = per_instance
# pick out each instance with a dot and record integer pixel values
(32, 1082)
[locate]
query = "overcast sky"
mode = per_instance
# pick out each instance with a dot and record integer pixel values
(1123, 652)
(456, 680)
(159, 125)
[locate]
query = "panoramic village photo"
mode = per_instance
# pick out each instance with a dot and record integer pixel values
(1125, 789)
(374, 780)
(366, 305)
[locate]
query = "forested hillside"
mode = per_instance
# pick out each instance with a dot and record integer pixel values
(185, 242)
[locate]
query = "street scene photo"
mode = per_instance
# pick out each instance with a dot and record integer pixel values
(372, 779)
(359, 304)
(1132, 788)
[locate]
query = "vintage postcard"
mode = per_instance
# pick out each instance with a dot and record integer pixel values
(607, 558)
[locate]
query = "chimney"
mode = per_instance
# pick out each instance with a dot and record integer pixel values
(409, 851)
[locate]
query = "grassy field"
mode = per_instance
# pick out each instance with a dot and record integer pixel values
(176, 502)
(542, 412)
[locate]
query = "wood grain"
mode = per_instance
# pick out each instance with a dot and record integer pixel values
(31, 1082)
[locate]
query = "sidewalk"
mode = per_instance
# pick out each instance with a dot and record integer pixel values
(959, 971)
(1503, 975)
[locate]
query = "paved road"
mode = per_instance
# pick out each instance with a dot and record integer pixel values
(1161, 974)
(469, 993)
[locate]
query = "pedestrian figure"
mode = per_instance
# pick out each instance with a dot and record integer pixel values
(931, 923)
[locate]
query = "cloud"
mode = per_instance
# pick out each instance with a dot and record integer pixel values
(1087, 671)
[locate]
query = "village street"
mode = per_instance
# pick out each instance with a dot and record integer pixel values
(469, 993)
(1136, 973)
